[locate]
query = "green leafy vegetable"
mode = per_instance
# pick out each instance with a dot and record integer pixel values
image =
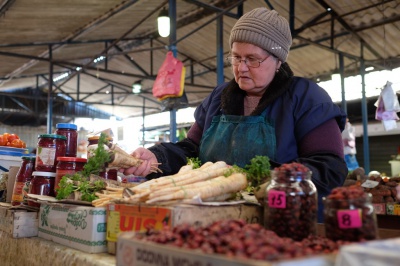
(257, 172)
(195, 162)
(79, 182)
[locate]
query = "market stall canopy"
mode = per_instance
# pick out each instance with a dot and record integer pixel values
(96, 50)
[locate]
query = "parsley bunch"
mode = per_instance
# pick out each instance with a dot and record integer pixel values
(79, 182)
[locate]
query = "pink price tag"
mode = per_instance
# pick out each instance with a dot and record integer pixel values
(349, 218)
(277, 199)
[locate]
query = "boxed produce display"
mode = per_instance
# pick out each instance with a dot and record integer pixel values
(18, 223)
(229, 242)
(79, 227)
(124, 217)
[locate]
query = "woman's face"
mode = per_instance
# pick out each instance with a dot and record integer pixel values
(253, 80)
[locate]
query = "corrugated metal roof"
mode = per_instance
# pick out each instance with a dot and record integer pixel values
(73, 33)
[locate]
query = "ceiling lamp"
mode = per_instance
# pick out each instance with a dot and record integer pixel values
(163, 23)
(137, 87)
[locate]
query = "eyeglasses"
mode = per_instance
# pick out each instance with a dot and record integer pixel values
(250, 62)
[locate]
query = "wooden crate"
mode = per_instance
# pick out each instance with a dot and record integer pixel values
(18, 223)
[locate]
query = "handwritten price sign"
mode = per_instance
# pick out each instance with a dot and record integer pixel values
(277, 199)
(349, 219)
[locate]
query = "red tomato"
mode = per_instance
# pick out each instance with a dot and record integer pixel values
(3, 141)
(5, 136)
(16, 143)
(12, 137)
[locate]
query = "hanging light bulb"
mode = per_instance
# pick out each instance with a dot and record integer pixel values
(163, 23)
(136, 87)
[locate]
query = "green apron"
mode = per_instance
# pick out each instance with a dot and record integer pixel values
(238, 139)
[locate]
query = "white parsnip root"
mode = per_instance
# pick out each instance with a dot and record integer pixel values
(209, 182)
(122, 159)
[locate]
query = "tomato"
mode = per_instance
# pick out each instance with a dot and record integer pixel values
(12, 137)
(5, 136)
(3, 141)
(16, 143)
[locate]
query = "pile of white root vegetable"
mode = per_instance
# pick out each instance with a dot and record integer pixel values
(211, 182)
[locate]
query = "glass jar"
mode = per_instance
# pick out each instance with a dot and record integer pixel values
(71, 133)
(22, 180)
(67, 166)
(49, 148)
(290, 208)
(42, 183)
(350, 219)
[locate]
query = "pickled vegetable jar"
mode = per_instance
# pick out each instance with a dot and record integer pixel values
(67, 166)
(42, 183)
(71, 133)
(22, 180)
(349, 215)
(290, 208)
(49, 148)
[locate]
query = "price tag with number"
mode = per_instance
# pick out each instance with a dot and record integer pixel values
(277, 199)
(349, 219)
(370, 184)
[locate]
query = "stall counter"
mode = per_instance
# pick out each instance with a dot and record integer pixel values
(37, 251)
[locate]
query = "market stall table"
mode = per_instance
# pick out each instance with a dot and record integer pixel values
(37, 251)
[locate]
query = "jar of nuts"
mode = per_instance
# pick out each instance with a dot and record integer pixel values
(349, 215)
(290, 208)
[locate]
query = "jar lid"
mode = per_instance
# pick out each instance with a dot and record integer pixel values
(67, 126)
(47, 174)
(29, 158)
(53, 136)
(72, 159)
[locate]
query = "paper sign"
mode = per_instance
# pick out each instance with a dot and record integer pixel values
(349, 218)
(277, 199)
(370, 184)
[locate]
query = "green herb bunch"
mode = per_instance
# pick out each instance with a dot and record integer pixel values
(257, 172)
(79, 182)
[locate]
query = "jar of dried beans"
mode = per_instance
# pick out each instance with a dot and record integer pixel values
(290, 208)
(349, 215)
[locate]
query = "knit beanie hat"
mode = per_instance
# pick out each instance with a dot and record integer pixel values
(265, 29)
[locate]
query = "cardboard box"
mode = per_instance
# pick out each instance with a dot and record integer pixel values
(124, 217)
(18, 223)
(393, 208)
(79, 227)
(378, 252)
(379, 208)
(133, 252)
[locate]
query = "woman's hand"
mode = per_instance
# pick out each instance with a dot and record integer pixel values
(149, 159)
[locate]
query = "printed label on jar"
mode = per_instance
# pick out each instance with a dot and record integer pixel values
(277, 199)
(349, 218)
(17, 195)
(46, 156)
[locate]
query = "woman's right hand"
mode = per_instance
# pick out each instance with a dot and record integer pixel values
(149, 160)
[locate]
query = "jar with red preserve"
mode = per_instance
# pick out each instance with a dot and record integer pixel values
(290, 208)
(22, 180)
(349, 215)
(42, 183)
(49, 148)
(67, 166)
(71, 133)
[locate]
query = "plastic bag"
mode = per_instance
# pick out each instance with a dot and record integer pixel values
(387, 104)
(170, 78)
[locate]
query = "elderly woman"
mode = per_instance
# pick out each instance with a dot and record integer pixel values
(264, 110)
